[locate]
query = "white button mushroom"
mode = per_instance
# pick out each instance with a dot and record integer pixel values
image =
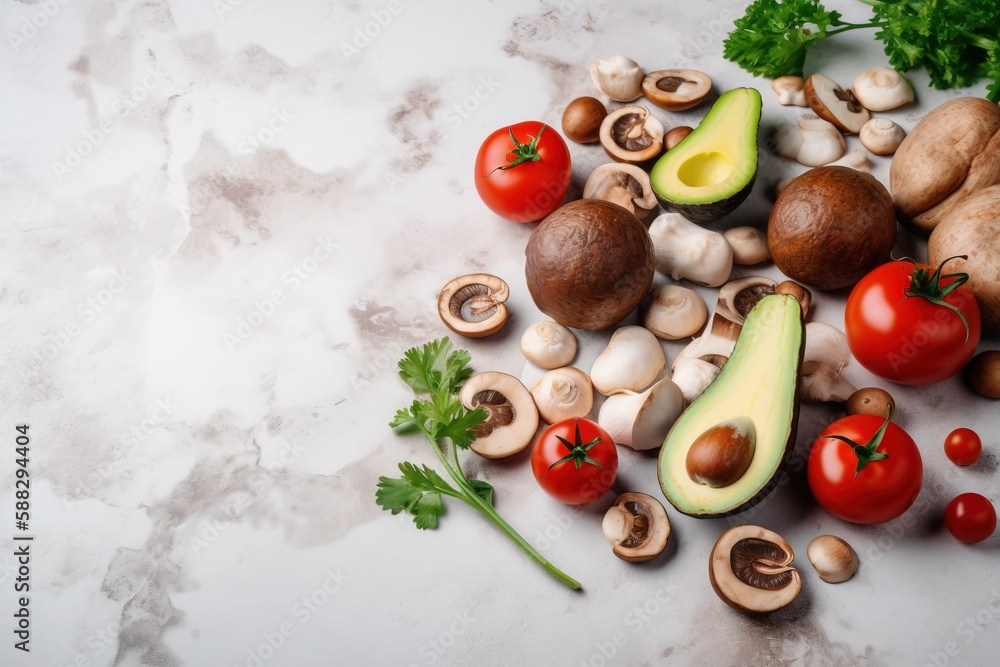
(548, 345)
(675, 312)
(749, 245)
(632, 360)
(682, 249)
(563, 393)
(812, 142)
(693, 377)
(882, 89)
(641, 421)
(618, 77)
(789, 90)
(882, 136)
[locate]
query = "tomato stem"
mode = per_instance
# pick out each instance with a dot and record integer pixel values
(867, 452)
(927, 285)
(577, 450)
(522, 152)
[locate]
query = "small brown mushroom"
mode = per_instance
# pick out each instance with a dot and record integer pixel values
(834, 104)
(632, 134)
(676, 89)
(834, 559)
(581, 121)
(675, 135)
(512, 417)
(624, 184)
(473, 305)
(983, 373)
(750, 570)
(870, 401)
(637, 527)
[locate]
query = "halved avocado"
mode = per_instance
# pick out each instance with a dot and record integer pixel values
(758, 384)
(712, 170)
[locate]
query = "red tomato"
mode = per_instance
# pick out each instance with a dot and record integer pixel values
(970, 518)
(523, 171)
(872, 483)
(575, 461)
(963, 446)
(897, 332)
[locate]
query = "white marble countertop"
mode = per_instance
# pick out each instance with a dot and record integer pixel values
(224, 222)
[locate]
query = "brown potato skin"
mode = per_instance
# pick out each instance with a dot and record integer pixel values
(589, 264)
(973, 229)
(937, 155)
(983, 373)
(831, 226)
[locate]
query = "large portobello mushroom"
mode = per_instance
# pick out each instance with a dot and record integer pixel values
(589, 264)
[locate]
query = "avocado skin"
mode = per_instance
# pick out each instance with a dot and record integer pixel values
(712, 211)
(789, 448)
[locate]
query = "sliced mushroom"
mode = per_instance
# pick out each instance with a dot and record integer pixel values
(548, 345)
(834, 104)
(676, 89)
(834, 559)
(632, 134)
(882, 89)
(581, 121)
(749, 245)
(812, 142)
(637, 527)
(736, 298)
(682, 249)
(624, 184)
(674, 312)
(618, 77)
(563, 393)
(750, 570)
(675, 136)
(632, 361)
(825, 356)
(882, 136)
(473, 305)
(693, 377)
(512, 418)
(789, 90)
(641, 421)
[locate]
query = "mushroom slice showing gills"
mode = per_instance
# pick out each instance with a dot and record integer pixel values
(676, 89)
(632, 134)
(473, 305)
(637, 527)
(750, 569)
(624, 184)
(511, 415)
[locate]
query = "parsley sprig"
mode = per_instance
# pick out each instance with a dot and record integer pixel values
(956, 41)
(435, 372)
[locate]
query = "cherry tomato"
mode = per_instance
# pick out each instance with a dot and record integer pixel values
(865, 469)
(575, 461)
(963, 446)
(523, 171)
(904, 322)
(970, 517)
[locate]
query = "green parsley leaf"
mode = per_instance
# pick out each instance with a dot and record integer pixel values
(417, 492)
(483, 489)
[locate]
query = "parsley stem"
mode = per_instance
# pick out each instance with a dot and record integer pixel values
(845, 27)
(472, 498)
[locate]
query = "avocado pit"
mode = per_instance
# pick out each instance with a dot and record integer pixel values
(720, 456)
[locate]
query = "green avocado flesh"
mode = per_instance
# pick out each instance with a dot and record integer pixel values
(712, 170)
(759, 382)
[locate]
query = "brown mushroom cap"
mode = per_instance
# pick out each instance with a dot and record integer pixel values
(632, 134)
(581, 121)
(750, 569)
(983, 373)
(512, 417)
(473, 305)
(637, 527)
(676, 89)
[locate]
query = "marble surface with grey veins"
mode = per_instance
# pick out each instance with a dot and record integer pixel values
(222, 224)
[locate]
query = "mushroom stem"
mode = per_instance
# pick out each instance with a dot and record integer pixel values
(682, 249)
(825, 356)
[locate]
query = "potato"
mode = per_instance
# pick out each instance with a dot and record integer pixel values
(973, 228)
(951, 153)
